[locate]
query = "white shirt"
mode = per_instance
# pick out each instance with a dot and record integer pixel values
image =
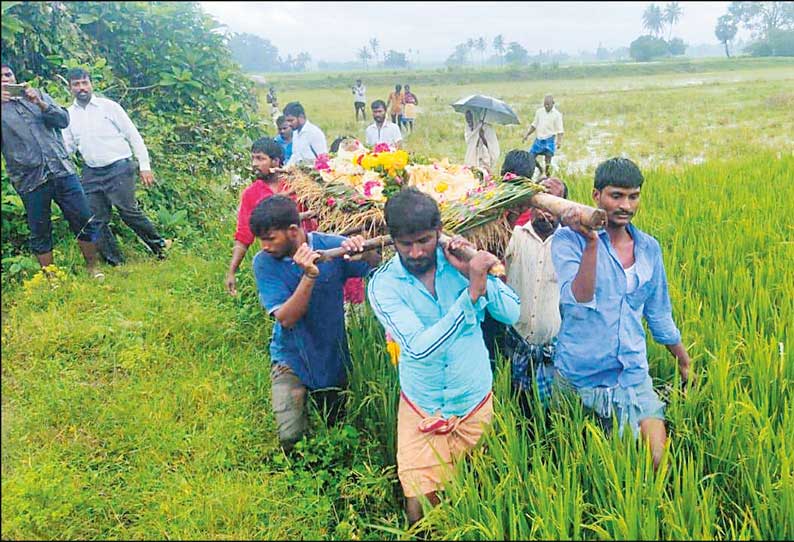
(103, 133)
(531, 274)
(307, 144)
(547, 124)
(388, 133)
(360, 94)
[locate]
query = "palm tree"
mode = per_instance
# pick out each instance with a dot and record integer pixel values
(470, 47)
(302, 59)
(374, 44)
(653, 19)
(726, 31)
(499, 47)
(672, 14)
(364, 55)
(480, 44)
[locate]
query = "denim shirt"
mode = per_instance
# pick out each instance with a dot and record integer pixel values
(443, 363)
(602, 342)
(315, 348)
(32, 143)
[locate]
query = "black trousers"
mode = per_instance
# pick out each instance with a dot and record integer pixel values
(114, 186)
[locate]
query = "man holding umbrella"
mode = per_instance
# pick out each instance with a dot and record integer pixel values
(548, 124)
(482, 147)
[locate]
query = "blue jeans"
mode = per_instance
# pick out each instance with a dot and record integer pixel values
(68, 194)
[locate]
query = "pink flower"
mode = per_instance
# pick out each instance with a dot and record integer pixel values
(398, 180)
(321, 162)
(487, 177)
(368, 186)
(509, 176)
(360, 201)
(381, 147)
(330, 202)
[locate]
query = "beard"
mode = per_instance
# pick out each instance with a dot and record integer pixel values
(543, 226)
(418, 266)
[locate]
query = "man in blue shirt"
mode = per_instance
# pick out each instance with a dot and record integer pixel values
(609, 281)
(284, 137)
(308, 350)
(431, 303)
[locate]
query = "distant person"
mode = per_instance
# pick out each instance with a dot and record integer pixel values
(272, 99)
(284, 137)
(395, 102)
(308, 141)
(40, 171)
(482, 147)
(431, 303)
(530, 273)
(360, 99)
(609, 282)
(381, 130)
(309, 352)
(548, 124)
(410, 101)
(114, 155)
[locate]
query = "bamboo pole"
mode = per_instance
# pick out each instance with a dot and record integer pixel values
(465, 253)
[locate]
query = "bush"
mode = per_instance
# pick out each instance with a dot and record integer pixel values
(676, 46)
(647, 48)
(782, 42)
(162, 61)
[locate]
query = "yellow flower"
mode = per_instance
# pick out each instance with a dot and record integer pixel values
(400, 159)
(441, 187)
(394, 352)
(369, 162)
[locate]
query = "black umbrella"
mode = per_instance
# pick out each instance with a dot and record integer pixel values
(488, 108)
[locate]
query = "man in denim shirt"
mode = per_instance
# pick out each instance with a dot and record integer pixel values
(40, 171)
(609, 281)
(308, 350)
(432, 303)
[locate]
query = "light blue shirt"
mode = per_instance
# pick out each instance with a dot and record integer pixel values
(444, 365)
(602, 342)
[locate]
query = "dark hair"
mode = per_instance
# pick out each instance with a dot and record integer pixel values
(78, 73)
(281, 120)
(558, 180)
(620, 172)
(411, 211)
(267, 145)
(519, 162)
(294, 109)
(378, 103)
(274, 213)
(338, 141)
(398, 86)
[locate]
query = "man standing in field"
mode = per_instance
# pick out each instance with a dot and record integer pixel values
(308, 351)
(395, 101)
(360, 99)
(308, 141)
(609, 281)
(431, 303)
(382, 131)
(40, 171)
(548, 124)
(530, 272)
(107, 140)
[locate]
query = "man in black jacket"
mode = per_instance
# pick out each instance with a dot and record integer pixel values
(40, 170)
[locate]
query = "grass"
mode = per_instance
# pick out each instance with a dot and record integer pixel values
(139, 407)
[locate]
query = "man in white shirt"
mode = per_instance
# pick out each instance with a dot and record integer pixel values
(308, 141)
(531, 274)
(548, 124)
(382, 130)
(360, 99)
(107, 139)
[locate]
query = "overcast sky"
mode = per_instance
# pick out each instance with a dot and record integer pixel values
(334, 31)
